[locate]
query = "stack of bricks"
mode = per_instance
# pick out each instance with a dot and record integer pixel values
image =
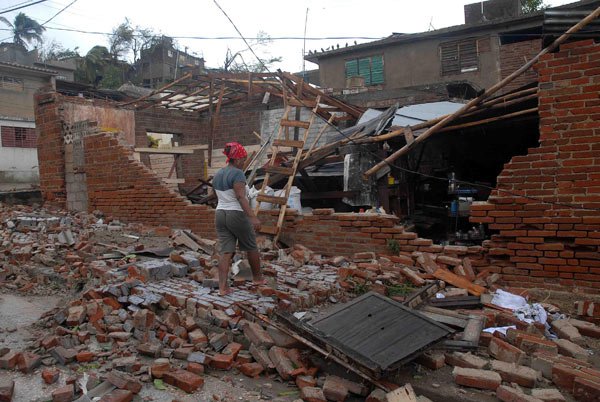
(546, 207)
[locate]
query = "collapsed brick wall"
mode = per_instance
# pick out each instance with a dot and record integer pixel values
(51, 152)
(513, 56)
(541, 241)
(124, 188)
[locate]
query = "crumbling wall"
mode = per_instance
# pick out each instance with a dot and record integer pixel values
(546, 207)
(51, 152)
(513, 56)
(124, 188)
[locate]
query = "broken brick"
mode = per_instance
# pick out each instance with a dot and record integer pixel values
(123, 380)
(64, 394)
(432, 360)
(197, 337)
(117, 395)
(257, 335)
(312, 394)
(305, 381)
(50, 376)
(159, 367)
(504, 351)
(221, 362)
(7, 389)
(251, 369)
(282, 363)
(335, 390)
(184, 380)
(586, 390)
(85, 356)
(508, 394)
(466, 360)
(9, 360)
(195, 368)
(483, 379)
(548, 395)
(510, 372)
(28, 362)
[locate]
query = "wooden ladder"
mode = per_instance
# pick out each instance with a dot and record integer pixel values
(283, 141)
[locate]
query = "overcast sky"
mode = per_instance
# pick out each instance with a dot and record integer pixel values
(354, 19)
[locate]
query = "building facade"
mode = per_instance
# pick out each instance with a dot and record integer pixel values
(18, 145)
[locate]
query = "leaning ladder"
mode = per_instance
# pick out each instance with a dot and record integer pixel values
(283, 141)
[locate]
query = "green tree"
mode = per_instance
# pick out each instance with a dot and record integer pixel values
(25, 30)
(120, 40)
(90, 69)
(529, 6)
(55, 51)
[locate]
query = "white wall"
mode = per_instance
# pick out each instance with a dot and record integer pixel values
(18, 165)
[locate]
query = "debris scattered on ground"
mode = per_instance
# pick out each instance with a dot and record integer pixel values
(142, 308)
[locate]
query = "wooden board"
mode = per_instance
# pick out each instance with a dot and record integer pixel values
(171, 151)
(459, 282)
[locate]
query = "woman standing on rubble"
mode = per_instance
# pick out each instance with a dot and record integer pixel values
(234, 219)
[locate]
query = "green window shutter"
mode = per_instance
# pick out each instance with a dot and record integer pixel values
(377, 70)
(364, 69)
(351, 68)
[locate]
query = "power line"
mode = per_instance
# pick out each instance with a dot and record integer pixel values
(55, 15)
(242, 36)
(17, 4)
(20, 7)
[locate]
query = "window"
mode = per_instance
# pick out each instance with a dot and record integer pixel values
(20, 137)
(459, 56)
(370, 68)
(11, 83)
(169, 53)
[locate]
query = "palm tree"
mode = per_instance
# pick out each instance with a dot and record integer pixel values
(24, 30)
(93, 64)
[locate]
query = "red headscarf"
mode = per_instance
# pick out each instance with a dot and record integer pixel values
(234, 150)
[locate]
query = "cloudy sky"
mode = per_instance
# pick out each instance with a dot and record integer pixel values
(203, 28)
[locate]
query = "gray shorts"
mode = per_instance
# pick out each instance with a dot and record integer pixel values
(234, 227)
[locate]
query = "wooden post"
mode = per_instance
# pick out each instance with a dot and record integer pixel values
(210, 122)
(592, 16)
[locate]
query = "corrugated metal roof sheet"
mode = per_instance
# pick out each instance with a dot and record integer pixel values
(414, 114)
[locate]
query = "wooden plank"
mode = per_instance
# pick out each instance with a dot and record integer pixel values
(459, 282)
(287, 171)
(166, 151)
(302, 102)
(271, 199)
(197, 147)
(173, 181)
(294, 123)
(288, 143)
(408, 135)
(269, 230)
(468, 267)
(444, 319)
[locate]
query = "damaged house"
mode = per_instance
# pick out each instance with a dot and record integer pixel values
(413, 246)
(507, 171)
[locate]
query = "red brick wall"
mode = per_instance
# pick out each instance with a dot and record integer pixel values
(51, 158)
(541, 241)
(124, 188)
(513, 56)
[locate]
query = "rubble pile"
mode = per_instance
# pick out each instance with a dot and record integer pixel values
(147, 310)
